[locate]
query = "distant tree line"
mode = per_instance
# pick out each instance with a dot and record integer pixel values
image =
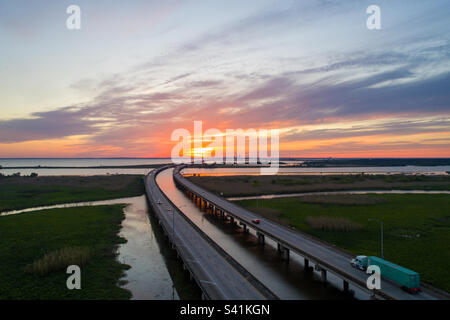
(18, 174)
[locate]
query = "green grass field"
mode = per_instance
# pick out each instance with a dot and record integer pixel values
(26, 192)
(27, 238)
(416, 227)
(234, 186)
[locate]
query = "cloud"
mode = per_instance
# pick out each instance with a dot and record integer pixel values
(119, 115)
(386, 127)
(201, 80)
(59, 123)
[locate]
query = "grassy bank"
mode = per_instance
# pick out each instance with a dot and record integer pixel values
(257, 185)
(416, 227)
(50, 239)
(26, 192)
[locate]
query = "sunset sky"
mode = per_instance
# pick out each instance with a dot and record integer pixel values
(137, 70)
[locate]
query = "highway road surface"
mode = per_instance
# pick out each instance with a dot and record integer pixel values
(325, 256)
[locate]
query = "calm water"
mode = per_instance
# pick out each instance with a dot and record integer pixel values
(294, 195)
(75, 172)
(78, 163)
(148, 277)
(217, 172)
(328, 170)
(285, 278)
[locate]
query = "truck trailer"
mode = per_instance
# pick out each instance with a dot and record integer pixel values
(409, 280)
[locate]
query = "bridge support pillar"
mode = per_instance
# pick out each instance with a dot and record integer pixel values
(231, 220)
(261, 239)
(283, 251)
(244, 226)
(324, 275)
(345, 283)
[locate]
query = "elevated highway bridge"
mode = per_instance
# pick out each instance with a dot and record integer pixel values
(217, 274)
(324, 257)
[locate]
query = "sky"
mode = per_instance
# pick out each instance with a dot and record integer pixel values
(138, 70)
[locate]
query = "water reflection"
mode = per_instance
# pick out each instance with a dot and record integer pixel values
(430, 170)
(76, 171)
(294, 195)
(148, 277)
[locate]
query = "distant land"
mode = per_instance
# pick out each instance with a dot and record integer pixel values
(377, 162)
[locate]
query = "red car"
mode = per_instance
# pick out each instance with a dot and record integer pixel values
(256, 221)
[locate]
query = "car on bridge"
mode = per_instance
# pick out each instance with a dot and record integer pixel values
(257, 221)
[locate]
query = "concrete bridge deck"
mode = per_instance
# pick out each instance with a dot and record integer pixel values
(216, 273)
(323, 256)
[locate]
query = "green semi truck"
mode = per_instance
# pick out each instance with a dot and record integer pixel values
(408, 279)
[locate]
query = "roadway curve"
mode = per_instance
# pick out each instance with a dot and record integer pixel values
(322, 255)
(218, 275)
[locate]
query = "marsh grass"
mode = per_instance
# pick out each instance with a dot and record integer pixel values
(26, 192)
(48, 240)
(59, 260)
(343, 199)
(333, 224)
(234, 186)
